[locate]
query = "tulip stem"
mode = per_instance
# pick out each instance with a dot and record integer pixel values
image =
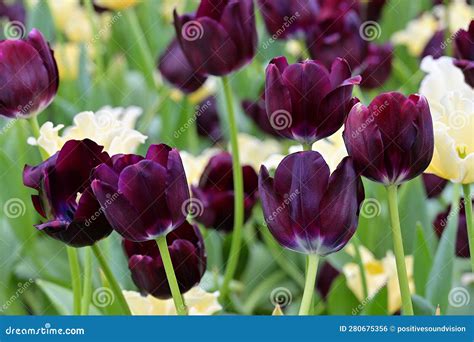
(171, 276)
(35, 129)
(307, 147)
(311, 271)
(360, 263)
(407, 306)
(234, 253)
(75, 279)
(113, 283)
(469, 220)
(87, 288)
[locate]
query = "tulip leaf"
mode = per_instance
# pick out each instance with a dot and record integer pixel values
(422, 307)
(341, 300)
(422, 261)
(377, 305)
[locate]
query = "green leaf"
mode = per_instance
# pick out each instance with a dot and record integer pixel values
(378, 305)
(341, 300)
(422, 261)
(422, 307)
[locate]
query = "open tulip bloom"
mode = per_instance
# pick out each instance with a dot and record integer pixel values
(308, 210)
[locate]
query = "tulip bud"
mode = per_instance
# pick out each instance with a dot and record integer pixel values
(214, 197)
(207, 120)
(462, 240)
(305, 101)
(188, 256)
(150, 193)
(391, 140)
(377, 66)
(13, 11)
(29, 75)
(434, 185)
(220, 37)
(307, 209)
(257, 112)
(65, 197)
(175, 68)
(464, 50)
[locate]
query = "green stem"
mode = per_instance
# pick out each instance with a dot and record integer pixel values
(469, 220)
(75, 278)
(262, 290)
(238, 192)
(172, 281)
(87, 285)
(96, 41)
(407, 306)
(146, 56)
(312, 270)
(113, 283)
(307, 147)
(35, 129)
(360, 263)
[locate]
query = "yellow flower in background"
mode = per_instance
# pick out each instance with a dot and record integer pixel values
(379, 273)
(110, 127)
(194, 165)
(198, 301)
(332, 149)
(71, 19)
(451, 102)
(460, 14)
(253, 151)
(67, 58)
(116, 4)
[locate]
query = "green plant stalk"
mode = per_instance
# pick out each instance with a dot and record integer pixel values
(407, 306)
(171, 276)
(75, 279)
(358, 258)
(469, 220)
(311, 272)
(113, 283)
(96, 41)
(145, 53)
(238, 193)
(87, 285)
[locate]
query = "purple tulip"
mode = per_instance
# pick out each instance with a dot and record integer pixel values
(29, 76)
(188, 256)
(284, 18)
(435, 46)
(214, 197)
(149, 193)
(336, 34)
(433, 184)
(325, 278)
(65, 199)
(257, 112)
(467, 68)
(391, 141)
(307, 209)
(207, 120)
(220, 37)
(13, 11)
(377, 66)
(372, 9)
(307, 102)
(175, 68)
(464, 50)
(462, 239)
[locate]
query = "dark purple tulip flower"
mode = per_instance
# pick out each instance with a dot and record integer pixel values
(467, 68)
(149, 193)
(462, 239)
(308, 210)
(188, 256)
(464, 50)
(284, 18)
(377, 66)
(175, 69)
(326, 276)
(307, 102)
(336, 34)
(433, 184)
(29, 75)
(257, 112)
(215, 193)
(207, 120)
(65, 199)
(435, 46)
(13, 11)
(220, 37)
(391, 140)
